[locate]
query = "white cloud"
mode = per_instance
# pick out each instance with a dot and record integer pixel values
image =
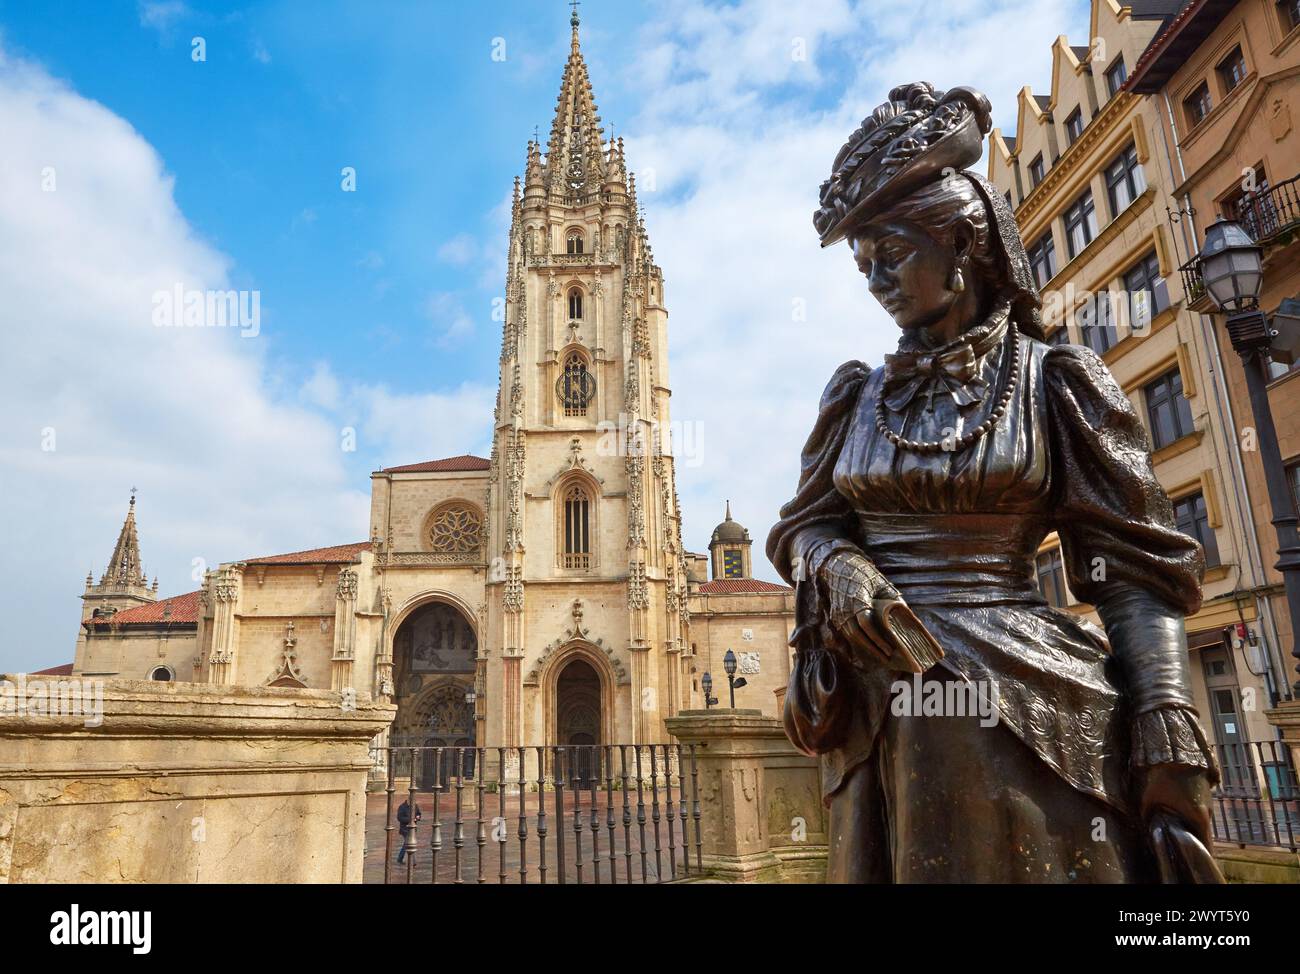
(161, 15)
(322, 388)
(459, 251)
(401, 428)
(414, 428)
(188, 415)
(452, 323)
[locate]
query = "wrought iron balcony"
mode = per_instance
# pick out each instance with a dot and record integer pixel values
(1272, 213)
(1198, 298)
(1271, 217)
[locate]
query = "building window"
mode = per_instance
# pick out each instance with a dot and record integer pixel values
(1051, 578)
(1061, 336)
(1011, 206)
(1148, 294)
(1293, 478)
(1042, 258)
(577, 527)
(575, 242)
(1169, 414)
(161, 674)
(575, 304)
(1036, 170)
(1256, 209)
(1198, 104)
(733, 565)
(1278, 369)
(1124, 180)
(1290, 10)
(1116, 75)
(577, 386)
(1096, 323)
(1232, 69)
(1191, 518)
(1080, 224)
(1074, 126)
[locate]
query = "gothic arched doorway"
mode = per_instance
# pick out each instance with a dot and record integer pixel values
(435, 653)
(577, 716)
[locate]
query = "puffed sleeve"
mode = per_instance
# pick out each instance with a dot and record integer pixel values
(1114, 518)
(1122, 552)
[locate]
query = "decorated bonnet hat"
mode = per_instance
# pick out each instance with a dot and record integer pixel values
(916, 137)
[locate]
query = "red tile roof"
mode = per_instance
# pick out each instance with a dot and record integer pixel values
(448, 465)
(179, 608)
(340, 554)
(63, 670)
(740, 586)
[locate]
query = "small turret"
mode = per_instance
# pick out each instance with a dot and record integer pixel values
(729, 549)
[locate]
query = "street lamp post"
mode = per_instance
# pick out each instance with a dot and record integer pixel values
(729, 664)
(1232, 266)
(706, 684)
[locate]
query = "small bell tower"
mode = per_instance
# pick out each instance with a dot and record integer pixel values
(729, 549)
(123, 584)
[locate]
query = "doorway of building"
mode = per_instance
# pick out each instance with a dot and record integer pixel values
(577, 718)
(434, 659)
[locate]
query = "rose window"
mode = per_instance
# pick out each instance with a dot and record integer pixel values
(456, 530)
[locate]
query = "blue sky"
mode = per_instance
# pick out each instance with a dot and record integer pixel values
(376, 304)
(290, 93)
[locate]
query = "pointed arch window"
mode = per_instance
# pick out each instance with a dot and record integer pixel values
(576, 527)
(575, 242)
(577, 386)
(575, 304)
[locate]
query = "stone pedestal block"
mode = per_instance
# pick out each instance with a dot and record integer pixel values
(188, 783)
(761, 814)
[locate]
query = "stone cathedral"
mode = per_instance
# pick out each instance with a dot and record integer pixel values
(539, 596)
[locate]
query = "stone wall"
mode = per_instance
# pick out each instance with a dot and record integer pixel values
(187, 784)
(757, 623)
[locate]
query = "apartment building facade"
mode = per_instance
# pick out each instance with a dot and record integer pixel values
(1095, 191)
(1224, 80)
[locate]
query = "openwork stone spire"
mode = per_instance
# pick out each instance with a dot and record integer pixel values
(124, 567)
(575, 157)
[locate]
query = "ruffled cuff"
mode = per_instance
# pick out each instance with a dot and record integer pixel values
(1172, 735)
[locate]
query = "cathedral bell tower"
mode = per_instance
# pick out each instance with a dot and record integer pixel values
(586, 572)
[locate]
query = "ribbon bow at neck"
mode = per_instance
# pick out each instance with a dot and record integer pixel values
(952, 371)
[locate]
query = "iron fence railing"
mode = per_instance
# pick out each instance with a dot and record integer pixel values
(1193, 279)
(1271, 210)
(613, 813)
(1257, 802)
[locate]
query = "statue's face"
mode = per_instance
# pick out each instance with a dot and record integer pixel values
(908, 271)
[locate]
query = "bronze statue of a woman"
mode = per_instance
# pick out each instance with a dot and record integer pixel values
(925, 491)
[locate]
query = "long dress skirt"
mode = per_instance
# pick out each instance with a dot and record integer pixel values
(903, 816)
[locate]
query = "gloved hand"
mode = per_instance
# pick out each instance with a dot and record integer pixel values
(852, 583)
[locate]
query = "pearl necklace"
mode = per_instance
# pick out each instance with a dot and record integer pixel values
(971, 436)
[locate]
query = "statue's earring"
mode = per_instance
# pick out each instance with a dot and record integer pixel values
(957, 281)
